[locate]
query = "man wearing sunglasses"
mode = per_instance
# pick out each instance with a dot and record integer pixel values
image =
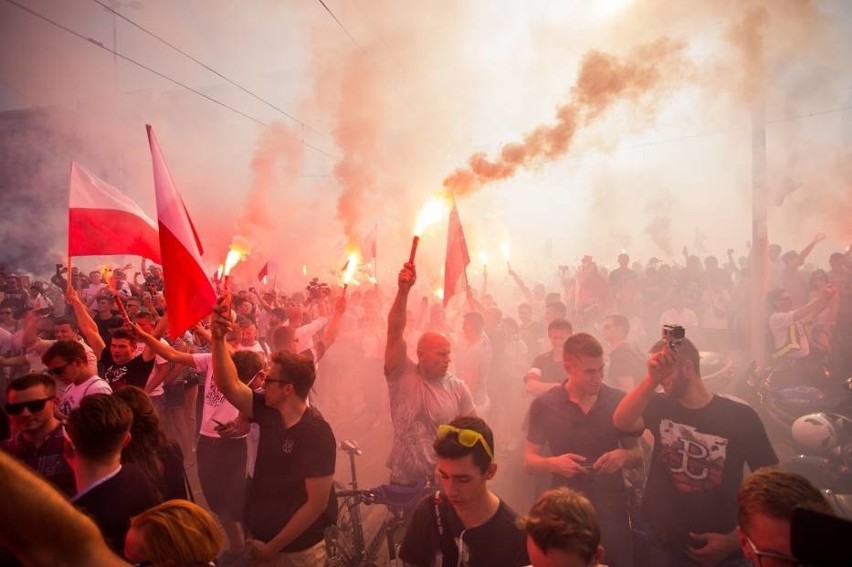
(465, 525)
(66, 361)
(290, 501)
(38, 441)
(422, 396)
(765, 503)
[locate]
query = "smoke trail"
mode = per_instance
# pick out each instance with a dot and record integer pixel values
(647, 73)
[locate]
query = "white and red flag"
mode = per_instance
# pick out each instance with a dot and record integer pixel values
(189, 293)
(104, 221)
(368, 246)
(263, 274)
(455, 276)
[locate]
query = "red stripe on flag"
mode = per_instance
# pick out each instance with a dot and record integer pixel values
(97, 232)
(189, 295)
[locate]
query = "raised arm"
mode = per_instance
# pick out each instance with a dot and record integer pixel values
(628, 414)
(166, 351)
(395, 349)
(800, 260)
(333, 327)
(524, 289)
(224, 370)
(85, 323)
(815, 305)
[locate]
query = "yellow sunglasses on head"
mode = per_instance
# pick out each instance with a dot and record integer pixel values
(467, 437)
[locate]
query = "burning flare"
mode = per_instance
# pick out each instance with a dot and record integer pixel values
(349, 269)
(432, 212)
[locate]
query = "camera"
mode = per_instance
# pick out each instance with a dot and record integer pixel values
(317, 290)
(673, 335)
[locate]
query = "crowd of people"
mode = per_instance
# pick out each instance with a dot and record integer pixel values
(110, 411)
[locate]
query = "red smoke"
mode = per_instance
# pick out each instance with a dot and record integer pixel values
(604, 80)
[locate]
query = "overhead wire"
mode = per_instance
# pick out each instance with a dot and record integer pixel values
(158, 73)
(271, 105)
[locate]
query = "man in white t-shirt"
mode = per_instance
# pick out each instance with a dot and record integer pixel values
(222, 448)
(788, 335)
(66, 360)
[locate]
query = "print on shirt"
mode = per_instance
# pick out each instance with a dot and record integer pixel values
(214, 395)
(115, 374)
(695, 461)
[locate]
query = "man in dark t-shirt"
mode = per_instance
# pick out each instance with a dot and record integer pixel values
(547, 368)
(574, 421)
(465, 517)
(626, 362)
(701, 443)
(291, 501)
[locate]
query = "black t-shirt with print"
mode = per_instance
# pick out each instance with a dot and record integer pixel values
(285, 458)
(135, 372)
(499, 542)
(697, 465)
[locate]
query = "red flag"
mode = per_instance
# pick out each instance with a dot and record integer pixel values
(104, 221)
(263, 273)
(189, 293)
(455, 276)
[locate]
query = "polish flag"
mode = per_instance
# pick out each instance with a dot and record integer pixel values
(189, 293)
(104, 221)
(455, 276)
(263, 273)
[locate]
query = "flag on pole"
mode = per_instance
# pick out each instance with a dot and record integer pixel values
(368, 246)
(263, 274)
(189, 293)
(104, 221)
(455, 276)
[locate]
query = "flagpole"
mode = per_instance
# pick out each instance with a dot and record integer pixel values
(376, 255)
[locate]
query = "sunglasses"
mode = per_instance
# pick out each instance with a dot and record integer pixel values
(774, 559)
(265, 380)
(466, 437)
(59, 369)
(34, 406)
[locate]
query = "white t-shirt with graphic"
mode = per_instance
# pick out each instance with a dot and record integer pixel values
(215, 405)
(76, 392)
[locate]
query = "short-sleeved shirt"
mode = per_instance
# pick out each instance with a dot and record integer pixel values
(134, 372)
(76, 392)
(216, 407)
(561, 424)
(626, 360)
(285, 458)
(697, 465)
(548, 370)
(418, 406)
(788, 336)
(499, 542)
(48, 459)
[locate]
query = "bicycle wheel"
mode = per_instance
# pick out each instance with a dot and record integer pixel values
(339, 540)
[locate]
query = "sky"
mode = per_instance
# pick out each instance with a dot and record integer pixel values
(563, 128)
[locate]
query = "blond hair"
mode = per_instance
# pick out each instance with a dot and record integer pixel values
(178, 532)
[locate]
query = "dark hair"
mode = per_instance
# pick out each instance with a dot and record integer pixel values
(450, 448)
(69, 351)
(582, 344)
(98, 427)
(295, 368)
(147, 438)
(621, 322)
(28, 381)
(686, 351)
(565, 520)
(560, 324)
(122, 333)
(65, 321)
(248, 364)
(144, 315)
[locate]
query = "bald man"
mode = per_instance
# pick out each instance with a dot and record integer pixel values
(422, 395)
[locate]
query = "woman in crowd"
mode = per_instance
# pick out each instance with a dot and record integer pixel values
(175, 533)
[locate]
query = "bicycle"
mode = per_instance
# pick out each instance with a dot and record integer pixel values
(346, 545)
